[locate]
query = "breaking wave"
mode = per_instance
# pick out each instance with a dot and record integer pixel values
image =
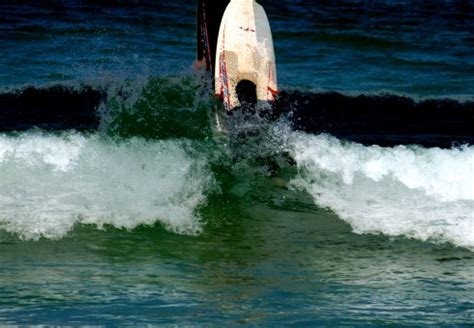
(145, 156)
(50, 183)
(423, 193)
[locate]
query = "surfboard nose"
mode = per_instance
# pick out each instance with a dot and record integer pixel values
(245, 53)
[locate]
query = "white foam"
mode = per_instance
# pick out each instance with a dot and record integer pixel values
(413, 191)
(50, 183)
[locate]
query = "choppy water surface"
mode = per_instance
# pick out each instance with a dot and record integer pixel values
(417, 48)
(156, 217)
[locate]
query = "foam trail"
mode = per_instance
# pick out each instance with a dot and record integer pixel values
(424, 193)
(49, 183)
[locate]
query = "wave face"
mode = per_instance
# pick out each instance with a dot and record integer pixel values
(147, 154)
(421, 193)
(54, 107)
(381, 119)
(160, 107)
(50, 183)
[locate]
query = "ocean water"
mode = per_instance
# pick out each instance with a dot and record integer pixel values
(121, 202)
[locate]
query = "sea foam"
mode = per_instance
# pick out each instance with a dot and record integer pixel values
(49, 183)
(423, 193)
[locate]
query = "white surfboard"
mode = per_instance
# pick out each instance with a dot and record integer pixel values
(245, 52)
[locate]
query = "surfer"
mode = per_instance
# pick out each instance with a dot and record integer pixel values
(234, 43)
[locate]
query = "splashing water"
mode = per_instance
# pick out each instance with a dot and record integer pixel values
(49, 183)
(417, 192)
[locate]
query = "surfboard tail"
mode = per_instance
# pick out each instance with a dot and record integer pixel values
(245, 52)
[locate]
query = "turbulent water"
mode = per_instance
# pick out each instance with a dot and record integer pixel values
(121, 202)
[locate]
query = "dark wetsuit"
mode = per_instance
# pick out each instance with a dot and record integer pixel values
(209, 15)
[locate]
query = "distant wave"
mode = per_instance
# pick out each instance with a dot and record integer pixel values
(52, 108)
(384, 119)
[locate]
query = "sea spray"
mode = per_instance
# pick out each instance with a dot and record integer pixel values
(158, 108)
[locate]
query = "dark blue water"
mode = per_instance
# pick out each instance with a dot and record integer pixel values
(121, 203)
(406, 47)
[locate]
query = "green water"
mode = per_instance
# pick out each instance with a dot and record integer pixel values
(258, 264)
(159, 218)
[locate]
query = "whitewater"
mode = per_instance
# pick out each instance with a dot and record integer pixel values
(51, 182)
(411, 191)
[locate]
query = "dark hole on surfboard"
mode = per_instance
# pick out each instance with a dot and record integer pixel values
(246, 93)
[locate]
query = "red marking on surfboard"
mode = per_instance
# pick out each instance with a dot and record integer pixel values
(207, 38)
(247, 29)
(223, 76)
(221, 94)
(272, 91)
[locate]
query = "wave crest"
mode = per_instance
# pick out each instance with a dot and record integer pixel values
(51, 183)
(422, 193)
